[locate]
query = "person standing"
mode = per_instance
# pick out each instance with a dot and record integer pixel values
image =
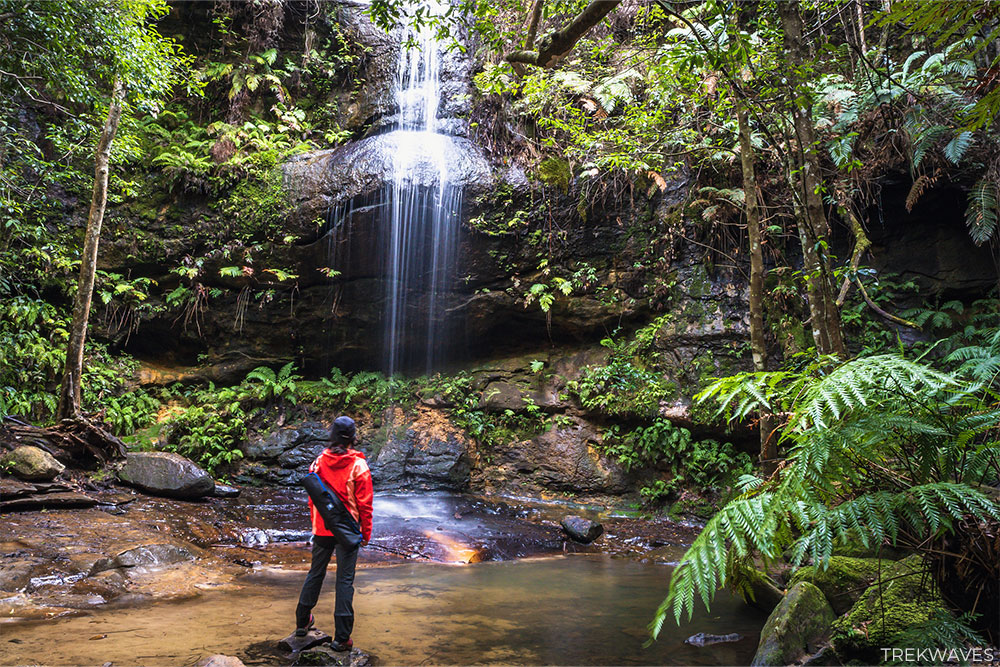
(345, 472)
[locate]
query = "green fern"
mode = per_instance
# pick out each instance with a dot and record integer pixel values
(955, 149)
(982, 211)
(882, 450)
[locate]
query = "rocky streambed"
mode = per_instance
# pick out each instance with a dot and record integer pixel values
(130, 547)
(204, 568)
(88, 569)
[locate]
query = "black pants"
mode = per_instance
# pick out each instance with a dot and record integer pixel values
(343, 611)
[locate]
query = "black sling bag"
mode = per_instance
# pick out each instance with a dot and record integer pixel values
(336, 517)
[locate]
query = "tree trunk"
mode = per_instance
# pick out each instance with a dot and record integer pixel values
(69, 395)
(813, 225)
(758, 345)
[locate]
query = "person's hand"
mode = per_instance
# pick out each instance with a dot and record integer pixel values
(364, 543)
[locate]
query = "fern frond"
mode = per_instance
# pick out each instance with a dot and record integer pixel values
(262, 374)
(955, 149)
(982, 212)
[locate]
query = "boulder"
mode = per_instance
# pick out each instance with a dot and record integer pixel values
(166, 474)
(32, 464)
(903, 598)
(843, 580)
(795, 627)
(581, 529)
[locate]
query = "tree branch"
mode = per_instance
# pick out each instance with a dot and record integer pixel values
(557, 44)
(889, 316)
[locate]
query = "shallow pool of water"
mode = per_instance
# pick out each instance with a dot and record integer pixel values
(568, 610)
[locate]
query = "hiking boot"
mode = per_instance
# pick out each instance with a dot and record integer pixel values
(342, 646)
(302, 632)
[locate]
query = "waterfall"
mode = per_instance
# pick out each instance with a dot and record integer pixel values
(421, 215)
(422, 167)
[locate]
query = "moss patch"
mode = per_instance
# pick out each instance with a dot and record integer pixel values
(843, 581)
(905, 597)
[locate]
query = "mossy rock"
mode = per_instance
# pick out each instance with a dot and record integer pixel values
(855, 549)
(795, 627)
(905, 597)
(844, 579)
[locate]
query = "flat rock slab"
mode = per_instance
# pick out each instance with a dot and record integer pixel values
(219, 660)
(324, 655)
(58, 500)
(295, 644)
(279, 653)
(15, 488)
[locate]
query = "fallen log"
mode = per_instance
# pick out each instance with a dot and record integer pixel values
(81, 441)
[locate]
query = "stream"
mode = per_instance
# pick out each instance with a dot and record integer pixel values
(448, 579)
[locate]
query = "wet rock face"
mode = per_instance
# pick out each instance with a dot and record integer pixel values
(419, 459)
(32, 464)
(166, 474)
(318, 180)
(288, 451)
(373, 100)
(581, 529)
(564, 458)
(422, 451)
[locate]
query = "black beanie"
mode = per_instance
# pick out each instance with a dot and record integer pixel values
(342, 431)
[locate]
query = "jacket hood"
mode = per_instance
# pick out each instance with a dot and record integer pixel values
(337, 460)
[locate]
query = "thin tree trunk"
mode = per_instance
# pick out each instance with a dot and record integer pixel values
(813, 225)
(533, 21)
(859, 17)
(758, 345)
(69, 395)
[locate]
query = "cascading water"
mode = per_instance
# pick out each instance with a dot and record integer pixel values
(422, 214)
(416, 213)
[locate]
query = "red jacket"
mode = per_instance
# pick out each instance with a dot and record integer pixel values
(347, 475)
